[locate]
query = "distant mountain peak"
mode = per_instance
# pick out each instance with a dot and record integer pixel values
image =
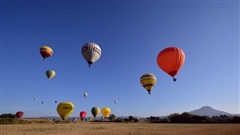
(206, 107)
(208, 111)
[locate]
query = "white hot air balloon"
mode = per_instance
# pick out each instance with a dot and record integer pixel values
(91, 52)
(35, 98)
(85, 94)
(115, 101)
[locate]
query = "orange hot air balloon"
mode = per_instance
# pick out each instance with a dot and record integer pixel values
(171, 60)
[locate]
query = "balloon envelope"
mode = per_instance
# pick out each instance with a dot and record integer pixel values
(95, 111)
(148, 81)
(85, 94)
(50, 74)
(65, 109)
(35, 98)
(115, 101)
(83, 115)
(171, 60)
(91, 52)
(106, 112)
(89, 118)
(19, 114)
(46, 51)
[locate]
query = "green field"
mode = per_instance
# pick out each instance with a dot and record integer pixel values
(112, 128)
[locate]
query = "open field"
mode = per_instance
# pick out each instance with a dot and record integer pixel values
(110, 128)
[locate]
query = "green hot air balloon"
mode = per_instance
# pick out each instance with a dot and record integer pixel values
(95, 111)
(50, 74)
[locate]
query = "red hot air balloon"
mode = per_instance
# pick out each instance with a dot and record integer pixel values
(171, 60)
(19, 114)
(83, 115)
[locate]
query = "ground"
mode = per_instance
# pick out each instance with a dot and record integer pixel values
(110, 128)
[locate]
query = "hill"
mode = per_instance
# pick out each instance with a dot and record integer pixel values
(208, 111)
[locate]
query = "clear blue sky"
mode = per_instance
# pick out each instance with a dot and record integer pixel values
(130, 34)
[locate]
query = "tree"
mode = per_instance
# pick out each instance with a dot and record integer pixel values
(112, 117)
(131, 118)
(174, 117)
(126, 119)
(154, 119)
(236, 119)
(136, 120)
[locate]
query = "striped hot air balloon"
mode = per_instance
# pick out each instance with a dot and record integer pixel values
(148, 81)
(46, 52)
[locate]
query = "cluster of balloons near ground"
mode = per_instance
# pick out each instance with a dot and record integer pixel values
(65, 109)
(170, 60)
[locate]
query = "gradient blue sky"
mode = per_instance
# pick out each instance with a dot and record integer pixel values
(130, 34)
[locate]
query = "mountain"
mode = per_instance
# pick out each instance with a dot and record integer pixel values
(208, 111)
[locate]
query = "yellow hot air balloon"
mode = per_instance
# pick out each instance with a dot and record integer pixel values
(148, 81)
(65, 109)
(106, 112)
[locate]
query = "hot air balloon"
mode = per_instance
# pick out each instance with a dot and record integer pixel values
(19, 114)
(171, 60)
(85, 94)
(42, 102)
(89, 118)
(50, 74)
(65, 109)
(55, 101)
(46, 52)
(91, 52)
(115, 101)
(95, 111)
(35, 98)
(148, 81)
(106, 112)
(83, 115)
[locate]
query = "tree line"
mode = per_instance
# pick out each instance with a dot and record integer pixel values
(8, 115)
(191, 118)
(172, 118)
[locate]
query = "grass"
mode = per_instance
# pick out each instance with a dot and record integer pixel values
(109, 128)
